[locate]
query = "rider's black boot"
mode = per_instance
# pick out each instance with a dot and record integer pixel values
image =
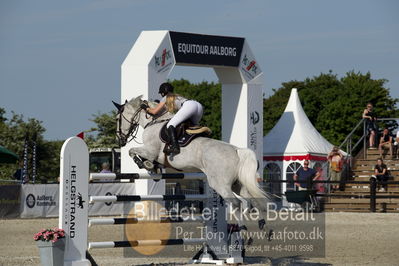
(173, 144)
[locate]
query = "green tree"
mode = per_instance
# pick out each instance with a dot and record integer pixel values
(105, 131)
(209, 95)
(333, 105)
(13, 132)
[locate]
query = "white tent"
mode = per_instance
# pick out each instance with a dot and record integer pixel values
(293, 140)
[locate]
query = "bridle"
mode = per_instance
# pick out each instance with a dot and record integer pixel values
(134, 125)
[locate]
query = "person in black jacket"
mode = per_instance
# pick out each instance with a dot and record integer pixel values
(371, 127)
(381, 173)
(19, 173)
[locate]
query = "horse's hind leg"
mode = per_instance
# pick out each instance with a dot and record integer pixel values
(224, 190)
(234, 209)
(257, 203)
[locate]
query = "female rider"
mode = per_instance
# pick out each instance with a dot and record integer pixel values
(183, 108)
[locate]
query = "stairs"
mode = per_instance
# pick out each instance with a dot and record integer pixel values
(362, 171)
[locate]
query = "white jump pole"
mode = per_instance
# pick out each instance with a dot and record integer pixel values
(135, 176)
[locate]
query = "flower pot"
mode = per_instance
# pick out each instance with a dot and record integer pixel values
(52, 254)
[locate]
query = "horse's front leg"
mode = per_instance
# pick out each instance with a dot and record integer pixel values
(143, 157)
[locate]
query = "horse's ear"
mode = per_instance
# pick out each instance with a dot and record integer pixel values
(118, 106)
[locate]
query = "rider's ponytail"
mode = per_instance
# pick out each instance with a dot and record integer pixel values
(170, 102)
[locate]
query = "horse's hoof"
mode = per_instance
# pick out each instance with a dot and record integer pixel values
(148, 165)
(261, 224)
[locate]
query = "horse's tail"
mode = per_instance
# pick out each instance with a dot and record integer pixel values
(247, 174)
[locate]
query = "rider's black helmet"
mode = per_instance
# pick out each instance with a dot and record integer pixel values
(165, 88)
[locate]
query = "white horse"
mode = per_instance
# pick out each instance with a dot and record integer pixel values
(223, 164)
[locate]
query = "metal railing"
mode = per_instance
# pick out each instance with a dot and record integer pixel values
(349, 140)
(372, 194)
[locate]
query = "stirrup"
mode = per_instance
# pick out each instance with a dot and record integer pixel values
(172, 149)
(175, 150)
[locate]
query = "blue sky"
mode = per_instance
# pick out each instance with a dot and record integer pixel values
(60, 60)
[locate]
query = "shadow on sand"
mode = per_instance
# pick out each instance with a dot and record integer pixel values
(284, 261)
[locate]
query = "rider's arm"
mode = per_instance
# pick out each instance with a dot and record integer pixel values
(385, 142)
(317, 175)
(366, 116)
(384, 170)
(156, 109)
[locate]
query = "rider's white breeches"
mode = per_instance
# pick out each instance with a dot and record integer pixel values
(192, 110)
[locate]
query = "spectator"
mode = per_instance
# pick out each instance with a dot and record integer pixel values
(320, 187)
(396, 145)
(105, 168)
(304, 176)
(335, 160)
(386, 142)
(19, 173)
(381, 173)
(371, 127)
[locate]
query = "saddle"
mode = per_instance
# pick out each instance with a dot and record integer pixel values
(185, 133)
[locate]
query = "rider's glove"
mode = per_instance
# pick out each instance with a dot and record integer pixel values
(144, 106)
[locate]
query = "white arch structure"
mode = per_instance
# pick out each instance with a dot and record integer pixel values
(153, 57)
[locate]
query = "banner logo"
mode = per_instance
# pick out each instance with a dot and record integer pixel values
(249, 66)
(80, 201)
(255, 117)
(162, 60)
(30, 201)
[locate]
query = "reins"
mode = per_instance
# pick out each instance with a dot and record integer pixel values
(134, 125)
(133, 128)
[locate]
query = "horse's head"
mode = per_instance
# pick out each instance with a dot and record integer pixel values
(128, 118)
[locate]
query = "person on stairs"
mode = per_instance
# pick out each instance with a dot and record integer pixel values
(386, 143)
(183, 109)
(371, 127)
(335, 159)
(396, 145)
(381, 174)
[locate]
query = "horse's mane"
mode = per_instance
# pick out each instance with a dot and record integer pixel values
(135, 103)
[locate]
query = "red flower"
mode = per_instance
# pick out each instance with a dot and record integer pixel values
(49, 235)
